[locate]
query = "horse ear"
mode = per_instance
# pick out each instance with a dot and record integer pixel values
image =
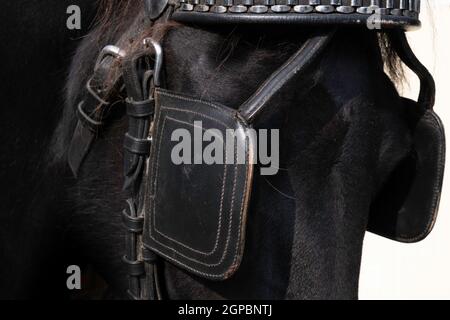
(406, 208)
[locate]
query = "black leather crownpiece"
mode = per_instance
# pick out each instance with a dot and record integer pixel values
(196, 213)
(154, 8)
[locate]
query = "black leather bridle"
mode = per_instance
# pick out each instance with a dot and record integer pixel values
(141, 76)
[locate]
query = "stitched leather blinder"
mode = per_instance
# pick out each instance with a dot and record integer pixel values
(196, 213)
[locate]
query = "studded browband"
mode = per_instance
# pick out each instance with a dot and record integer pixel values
(398, 8)
(388, 13)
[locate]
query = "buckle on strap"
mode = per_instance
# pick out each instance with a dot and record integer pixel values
(108, 51)
(95, 93)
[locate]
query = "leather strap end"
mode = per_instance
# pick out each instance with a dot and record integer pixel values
(79, 147)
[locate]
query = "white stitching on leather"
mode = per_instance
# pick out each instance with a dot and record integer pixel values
(212, 105)
(213, 276)
(153, 208)
(231, 209)
(219, 228)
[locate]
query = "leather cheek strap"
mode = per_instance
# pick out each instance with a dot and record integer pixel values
(296, 65)
(91, 112)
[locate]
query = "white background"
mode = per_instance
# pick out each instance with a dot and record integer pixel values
(418, 271)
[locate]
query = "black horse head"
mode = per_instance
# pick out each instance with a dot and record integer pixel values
(353, 153)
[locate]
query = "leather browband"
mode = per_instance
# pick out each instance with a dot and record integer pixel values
(386, 14)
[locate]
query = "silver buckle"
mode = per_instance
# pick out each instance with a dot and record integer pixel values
(158, 54)
(109, 51)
